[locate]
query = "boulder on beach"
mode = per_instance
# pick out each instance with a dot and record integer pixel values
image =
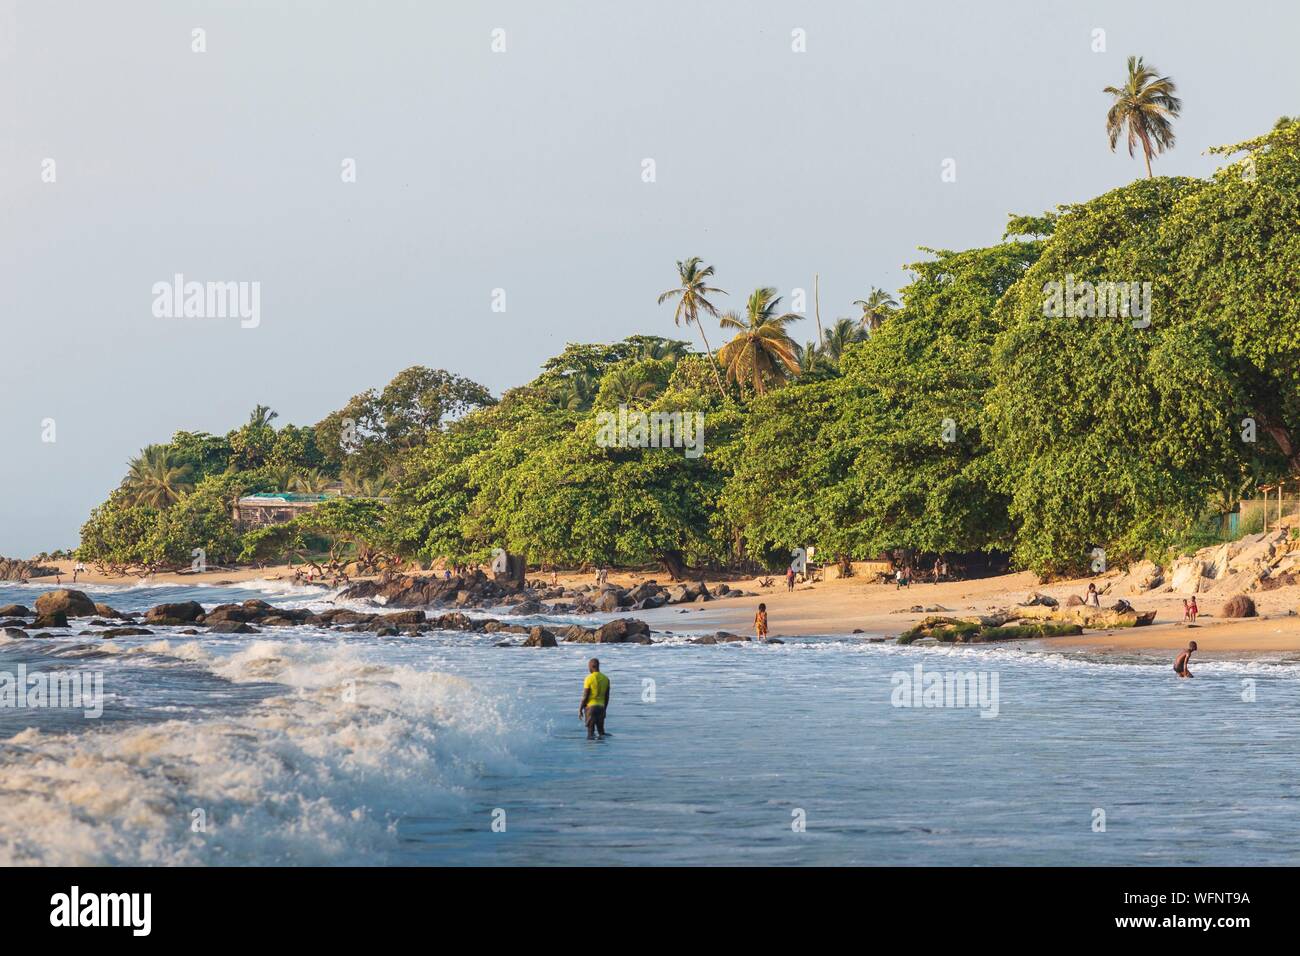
(71, 603)
(15, 610)
(51, 619)
(13, 633)
(103, 610)
(1239, 605)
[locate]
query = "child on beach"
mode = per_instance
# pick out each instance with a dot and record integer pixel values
(1092, 597)
(1190, 610)
(789, 578)
(1180, 665)
(760, 622)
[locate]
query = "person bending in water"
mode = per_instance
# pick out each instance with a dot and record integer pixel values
(760, 622)
(1180, 665)
(595, 699)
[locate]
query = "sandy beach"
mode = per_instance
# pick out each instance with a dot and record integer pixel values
(877, 610)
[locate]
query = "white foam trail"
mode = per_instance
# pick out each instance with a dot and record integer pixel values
(319, 775)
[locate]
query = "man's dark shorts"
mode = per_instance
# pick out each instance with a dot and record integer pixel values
(596, 720)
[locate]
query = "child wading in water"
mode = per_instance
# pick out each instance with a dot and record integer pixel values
(760, 622)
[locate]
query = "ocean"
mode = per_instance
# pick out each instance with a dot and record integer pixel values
(305, 746)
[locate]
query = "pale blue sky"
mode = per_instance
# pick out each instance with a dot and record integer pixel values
(519, 170)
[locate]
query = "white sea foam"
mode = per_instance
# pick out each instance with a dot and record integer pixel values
(318, 775)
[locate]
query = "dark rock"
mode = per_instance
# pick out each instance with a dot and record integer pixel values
(51, 619)
(113, 632)
(103, 610)
(386, 632)
(13, 633)
(706, 639)
(277, 620)
(232, 612)
(350, 617)
(404, 617)
(70, 603)
(577, 633)
(623, 631)
(232, 627)
(726, 637)
(185, 612)
(540, 637)
(15, 610)
(527, 607)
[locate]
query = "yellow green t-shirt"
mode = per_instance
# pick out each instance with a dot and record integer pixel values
(598, 685)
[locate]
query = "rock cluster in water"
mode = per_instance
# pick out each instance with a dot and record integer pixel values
(55, 608)
(477, 590)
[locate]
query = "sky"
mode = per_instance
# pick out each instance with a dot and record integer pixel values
(503, 146)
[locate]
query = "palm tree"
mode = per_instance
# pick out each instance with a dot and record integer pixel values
(626, 387)
(363, 487)
(840, 336)
(762, 348)
(692, 298)
(662, 349)
(313, 481)
(876, 308)
(1146, 103)
(279, 477)
(155, 478)
(813, 364)
(262, 416)
(576, 392)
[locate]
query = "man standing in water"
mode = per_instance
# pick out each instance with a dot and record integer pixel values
(595, 699)
(1180, 665)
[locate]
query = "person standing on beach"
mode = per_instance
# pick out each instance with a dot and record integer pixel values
(789, 578)
(1092, 597)
(1180, 665)
(760, 622)
(595, 699)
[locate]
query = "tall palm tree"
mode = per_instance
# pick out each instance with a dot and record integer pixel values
(876, 308)
(155, 478)
(262, 416)
(762, 349)
(840, 336)
(1145, 104)
(692, 299)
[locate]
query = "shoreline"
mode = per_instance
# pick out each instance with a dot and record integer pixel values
(846, 607)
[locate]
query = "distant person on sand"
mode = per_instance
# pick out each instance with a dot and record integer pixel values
(1180, 665)
(760, 622)
(1092, 597)
(789, 578)
(595, 699)
(900, 579)
(1190, 610)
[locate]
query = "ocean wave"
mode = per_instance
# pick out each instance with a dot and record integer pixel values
(318, 775)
